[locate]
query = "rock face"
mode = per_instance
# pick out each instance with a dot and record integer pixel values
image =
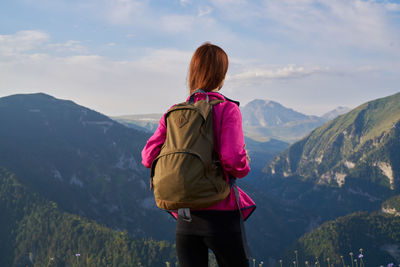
(362, 146)
(392, 206)
(263, 119)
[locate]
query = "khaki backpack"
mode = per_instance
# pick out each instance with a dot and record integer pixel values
(187, 173)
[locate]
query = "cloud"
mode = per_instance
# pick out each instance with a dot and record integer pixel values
(355, 23)
(340, 26)
(204, 10)
(177, 23)
(392, 6)
(110, 86)
(157, 79)
(184, 2)
(125, 11)
(68, 46)
(22, 41)
(285, 72)
(36, 43)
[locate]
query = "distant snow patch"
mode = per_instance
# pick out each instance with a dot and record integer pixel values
(127, 163)
(74, 180)
(57, 174)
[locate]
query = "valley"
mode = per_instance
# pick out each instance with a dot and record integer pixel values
(81, 170)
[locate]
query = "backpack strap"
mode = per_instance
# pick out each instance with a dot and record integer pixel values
(232, 182)
(230, 100)
(215, 102)
(191, 98)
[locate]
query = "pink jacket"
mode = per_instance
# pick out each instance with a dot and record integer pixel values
(228, 143)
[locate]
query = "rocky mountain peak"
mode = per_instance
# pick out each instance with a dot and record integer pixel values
(362, 144)
(340, 110)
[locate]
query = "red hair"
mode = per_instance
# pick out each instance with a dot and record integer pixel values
(208, 68)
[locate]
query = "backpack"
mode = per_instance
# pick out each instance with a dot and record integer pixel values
(187, 173)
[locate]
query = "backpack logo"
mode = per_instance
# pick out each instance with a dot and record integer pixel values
(181, 121)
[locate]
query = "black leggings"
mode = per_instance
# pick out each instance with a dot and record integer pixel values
(192, 250)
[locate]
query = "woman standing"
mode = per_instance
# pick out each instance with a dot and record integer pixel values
(219, 227)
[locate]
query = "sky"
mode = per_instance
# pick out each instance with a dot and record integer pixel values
(123, 57)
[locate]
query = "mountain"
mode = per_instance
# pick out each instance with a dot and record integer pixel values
(267, 119)
(359, 150)
(374, 235)
(348, 165)
(144, 122)
(262, 120)
(89, 166)
(35, 232)
(261, 153)
(82, 160)
(333, 114)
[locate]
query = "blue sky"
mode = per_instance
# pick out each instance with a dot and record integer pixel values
(129, 56)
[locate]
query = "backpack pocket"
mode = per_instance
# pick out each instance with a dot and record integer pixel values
(180, 180)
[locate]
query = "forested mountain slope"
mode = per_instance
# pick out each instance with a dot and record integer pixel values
(377, 234)
(359, 150)
(87, 163)
(34, 231)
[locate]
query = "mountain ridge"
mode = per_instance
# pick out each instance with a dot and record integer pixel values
(268, 119)
(364, 138)
(61, 149)
(332, 114)
(262, 120)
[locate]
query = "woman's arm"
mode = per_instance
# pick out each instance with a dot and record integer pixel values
(154, 144)
(233, 155)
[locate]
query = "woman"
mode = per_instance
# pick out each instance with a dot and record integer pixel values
(219, 227)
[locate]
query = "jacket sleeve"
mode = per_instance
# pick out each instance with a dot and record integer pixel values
(232, 151)
(154, 144)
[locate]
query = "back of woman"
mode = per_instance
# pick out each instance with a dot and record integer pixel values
(218, 227)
